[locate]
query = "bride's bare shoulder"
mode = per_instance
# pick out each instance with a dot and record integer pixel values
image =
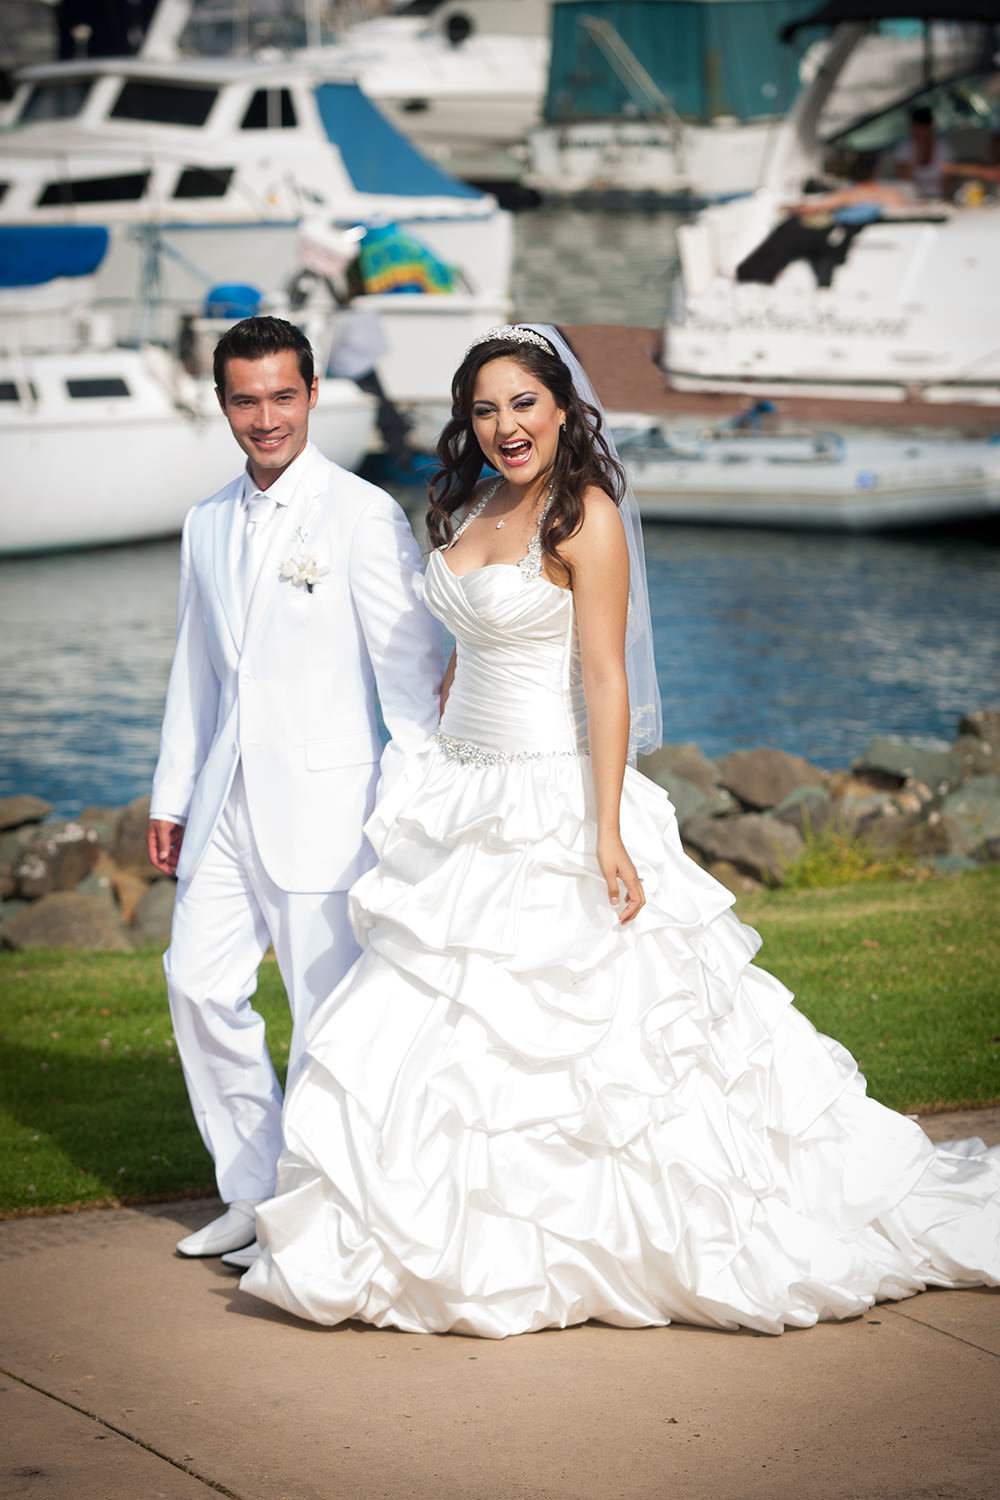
(601, 524)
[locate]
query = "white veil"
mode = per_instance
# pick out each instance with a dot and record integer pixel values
(645, 713)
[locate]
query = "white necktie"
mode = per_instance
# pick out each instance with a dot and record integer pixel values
(260, 509)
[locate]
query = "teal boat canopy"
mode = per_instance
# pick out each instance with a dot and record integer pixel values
(379, 159)
(709, 57)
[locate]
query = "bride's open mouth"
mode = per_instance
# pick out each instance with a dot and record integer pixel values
(515, 454)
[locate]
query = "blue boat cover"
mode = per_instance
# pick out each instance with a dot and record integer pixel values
(710, 57)
(33, 254)
(377, 157)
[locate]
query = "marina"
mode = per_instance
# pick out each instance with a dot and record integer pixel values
(811, 640)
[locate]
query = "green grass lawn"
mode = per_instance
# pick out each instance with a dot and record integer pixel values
(92, 1101)
(906, 973)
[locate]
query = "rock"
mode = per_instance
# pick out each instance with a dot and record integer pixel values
(891, 831)
(952, 864)
(851, 811)
(8, 885)
(105, 821)
(16, 840)
(847, 784)
(733, 879)
(682, 760)
(155, 911)
(129, 887)
(756, 845)
(685, 796)
(762, 778)
(988, 852)
(9, 910)
(913, 796)
(56, 860)
(97, 885)
(808, 809)
(975, 807)
(23, 808)
(895, 759)
(976, 756)
(67, 919)
(984, 724)
(129, 847)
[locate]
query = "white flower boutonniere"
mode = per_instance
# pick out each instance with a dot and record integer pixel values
(303, 570)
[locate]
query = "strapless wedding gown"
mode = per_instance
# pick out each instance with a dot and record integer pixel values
(519, 1115)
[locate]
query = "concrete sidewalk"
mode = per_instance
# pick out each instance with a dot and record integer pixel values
(131, 1374)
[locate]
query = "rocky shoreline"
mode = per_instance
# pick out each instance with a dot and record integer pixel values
(87, 883)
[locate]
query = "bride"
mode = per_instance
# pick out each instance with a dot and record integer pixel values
(554, 1086)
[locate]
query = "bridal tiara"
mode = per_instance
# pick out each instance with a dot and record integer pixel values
(513, 333)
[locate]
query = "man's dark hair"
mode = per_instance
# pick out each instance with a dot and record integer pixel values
(922, 115)
(254, 338)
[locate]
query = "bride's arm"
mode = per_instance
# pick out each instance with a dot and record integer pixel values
(599, 557)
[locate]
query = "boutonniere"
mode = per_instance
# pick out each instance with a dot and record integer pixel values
(303, 569)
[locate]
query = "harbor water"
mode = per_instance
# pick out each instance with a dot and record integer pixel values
(813, 643)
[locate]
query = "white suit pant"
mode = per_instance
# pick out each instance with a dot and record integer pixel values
(224, 919)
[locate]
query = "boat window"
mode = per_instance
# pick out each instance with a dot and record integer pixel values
(125, 189)
(968, 107)
(164, 103)
(3, 190)
(203, 182)
(270, 109)
(55, 101)
(8, 391)
(101, 385)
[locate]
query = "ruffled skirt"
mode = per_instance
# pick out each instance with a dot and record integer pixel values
(518, 1115)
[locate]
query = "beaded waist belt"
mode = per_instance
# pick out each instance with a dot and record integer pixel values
(468, 753)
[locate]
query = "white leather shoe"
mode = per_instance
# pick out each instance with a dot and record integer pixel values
(242, 1260)
(230, 1231)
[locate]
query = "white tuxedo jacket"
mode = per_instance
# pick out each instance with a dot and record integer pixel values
(289, 689)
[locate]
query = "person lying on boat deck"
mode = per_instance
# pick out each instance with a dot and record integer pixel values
(820, 228)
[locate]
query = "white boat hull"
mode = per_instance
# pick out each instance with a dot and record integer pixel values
(819, 483)
(705, 162)
(97, 471)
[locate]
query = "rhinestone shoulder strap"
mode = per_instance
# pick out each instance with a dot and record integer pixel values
(530, 565)
(476, 510)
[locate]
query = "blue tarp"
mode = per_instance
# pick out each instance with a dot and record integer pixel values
(378, 159)
(30, 256)
(709, 57)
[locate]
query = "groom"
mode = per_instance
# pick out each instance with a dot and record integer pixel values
(300, 596)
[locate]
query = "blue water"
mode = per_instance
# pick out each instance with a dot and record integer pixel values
(811, 643)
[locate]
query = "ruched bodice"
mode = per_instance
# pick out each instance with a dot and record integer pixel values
(518, 685)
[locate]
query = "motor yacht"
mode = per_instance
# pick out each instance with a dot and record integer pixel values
(870, 291)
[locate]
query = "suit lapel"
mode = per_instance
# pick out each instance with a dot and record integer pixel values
(227, 520)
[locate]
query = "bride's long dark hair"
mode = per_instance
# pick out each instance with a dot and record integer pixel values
(582, 458)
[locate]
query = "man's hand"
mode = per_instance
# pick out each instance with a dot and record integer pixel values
(163, 842)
